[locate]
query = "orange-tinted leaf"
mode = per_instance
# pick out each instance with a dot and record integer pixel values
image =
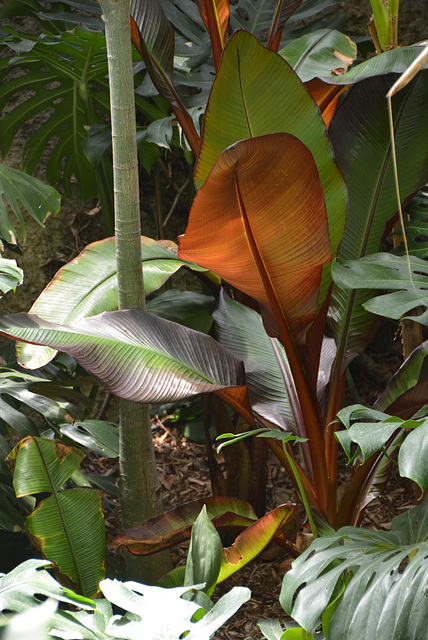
(284, 9)
(326, 97)
(215, 14)
(253, 540)
(175, 526)
(259, 221)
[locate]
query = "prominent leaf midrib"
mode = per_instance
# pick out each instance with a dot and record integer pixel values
(74, 314)
(308, 52)
(61, 515)
(67, 341)
(350, 297)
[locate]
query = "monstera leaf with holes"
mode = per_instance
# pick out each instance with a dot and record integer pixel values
(68, 74)
(19, 190)
(386, 575)
(68, 525)
(11, 276)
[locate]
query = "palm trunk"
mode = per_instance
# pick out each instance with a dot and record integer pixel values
(141, 494)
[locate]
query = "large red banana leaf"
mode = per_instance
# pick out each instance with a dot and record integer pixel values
(260, 222)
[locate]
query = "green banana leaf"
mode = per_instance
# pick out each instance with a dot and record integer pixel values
(136, 355)
(18, 189)
(321, 53)
(77, 65)
(250, 77)
(87, 286)
(384, 592)
(11, 276)
(67, 526)
(360, 136)
(408, 274)
(393, 61)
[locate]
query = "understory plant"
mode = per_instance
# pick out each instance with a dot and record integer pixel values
(149, 612)
(290, 179)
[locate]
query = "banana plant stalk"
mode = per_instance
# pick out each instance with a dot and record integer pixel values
(141, 494)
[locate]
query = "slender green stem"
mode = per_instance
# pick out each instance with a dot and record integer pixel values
(302, 493)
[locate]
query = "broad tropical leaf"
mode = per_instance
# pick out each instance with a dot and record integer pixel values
(387, 574)
(360, 136)
(153, 37)
(99, 436)
(408, 275)
(68, 75)
(253, 540)
(87, 286)
(250, 77)
(175, 525)
(19, 588)
(18, 189)
(272, 249)
(321, 53)
(257, 17)
(11, 276)
(394, 61)
(67, 526)
(136, 355)
(240, 329)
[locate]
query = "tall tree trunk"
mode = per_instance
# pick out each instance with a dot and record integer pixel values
(140, 489)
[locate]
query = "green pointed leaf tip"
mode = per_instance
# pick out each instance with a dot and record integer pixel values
(87, 286)
(205, 552)
(138, 356)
